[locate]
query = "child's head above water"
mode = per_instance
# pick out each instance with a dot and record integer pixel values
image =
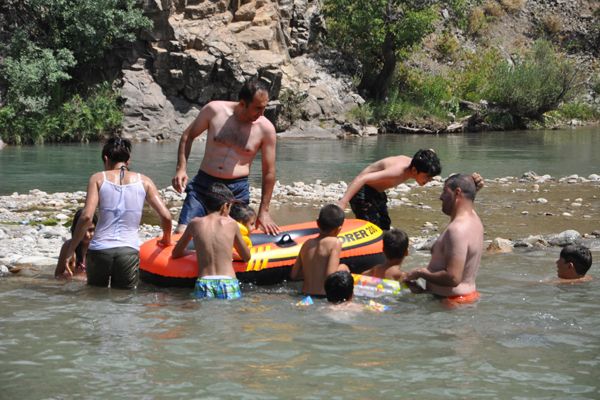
(395, 244)
(427, 165)
(244, 214)
(218, 195)
(91, 229)
(574, 262)
(339, 287)
(330, 218)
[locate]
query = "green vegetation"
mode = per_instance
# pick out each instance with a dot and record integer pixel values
(517, 91)
(54, 47)
(378, 33)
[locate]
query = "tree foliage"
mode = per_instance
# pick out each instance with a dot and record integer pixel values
(43, 44)
(378, 33)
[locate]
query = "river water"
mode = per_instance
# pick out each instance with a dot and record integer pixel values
(527, 338)
(54, 168)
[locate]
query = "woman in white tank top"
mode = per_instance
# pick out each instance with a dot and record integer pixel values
(113, 255)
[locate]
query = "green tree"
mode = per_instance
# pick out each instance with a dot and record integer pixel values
(43, 45)
(378, 33)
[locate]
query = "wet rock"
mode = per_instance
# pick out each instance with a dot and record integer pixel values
(524, 212)
(424, 243)
(541, 200)
(594, 177)
(566, 214)
(564, 238)
(35, 262)
(500, 245)
(4, 271)
(536, 240)
(521, 244)
(575, 204)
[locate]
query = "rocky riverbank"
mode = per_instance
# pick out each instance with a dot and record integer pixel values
(530, 211)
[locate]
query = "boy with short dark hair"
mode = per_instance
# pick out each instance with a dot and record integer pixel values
(574, 262)
(395, 248)
(339, 287)
(214, 235)
(320, 257)
(366, 192)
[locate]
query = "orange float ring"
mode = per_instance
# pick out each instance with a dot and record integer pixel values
(272, 256)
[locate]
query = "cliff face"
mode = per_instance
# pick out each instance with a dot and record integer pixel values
(201, 50)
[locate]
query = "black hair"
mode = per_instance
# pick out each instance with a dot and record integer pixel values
(79, 250)
(117, 150)
(426, 161)
(339, 287)
(241, 212)
(395, 244)
(464, 182)
(331, 217)
(217, 195)
(250, 88)
(579, 255)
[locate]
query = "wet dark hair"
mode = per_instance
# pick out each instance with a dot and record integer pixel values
(217, 195)
(339, 287)
(117, 150)
(331, 217)
(426, 161)
(464, 182)
(250, 88)
(79, 250)
(242, 213)
(579, 255)
(76, 219)
(395, 244)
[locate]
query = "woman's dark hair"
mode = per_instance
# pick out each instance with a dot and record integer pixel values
(339, 287)
(426, 161)
(217, 195)
(250, 88)
(117, 150)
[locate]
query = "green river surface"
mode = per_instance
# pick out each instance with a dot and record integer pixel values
(528, 337)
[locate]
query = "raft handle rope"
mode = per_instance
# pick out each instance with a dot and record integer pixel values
(286, 241)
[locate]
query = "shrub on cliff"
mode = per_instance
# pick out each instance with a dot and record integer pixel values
(535, 84)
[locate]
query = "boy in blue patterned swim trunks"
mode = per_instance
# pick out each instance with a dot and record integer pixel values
(214, 235)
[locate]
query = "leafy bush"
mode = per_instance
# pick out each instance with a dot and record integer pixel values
(291, 105)
(362, 114)
(578, 110)
(471, 83)
(534, 85)
(477, 21)
(447, 45)
(493, 9)
(78, 119)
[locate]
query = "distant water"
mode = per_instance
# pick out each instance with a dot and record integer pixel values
(54, 168)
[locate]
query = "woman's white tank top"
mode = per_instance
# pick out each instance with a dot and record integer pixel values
(120, 213)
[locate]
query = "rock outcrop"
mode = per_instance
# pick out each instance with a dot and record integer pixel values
(201, 50)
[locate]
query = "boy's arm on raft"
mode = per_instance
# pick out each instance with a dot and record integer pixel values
(180, 248)
(333, 263)
(153, 198)
(240, 245)
(297, 273)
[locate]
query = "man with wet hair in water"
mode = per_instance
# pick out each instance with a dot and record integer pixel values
(456, 254)
(366, 193)
(573, 263)
(236, 132)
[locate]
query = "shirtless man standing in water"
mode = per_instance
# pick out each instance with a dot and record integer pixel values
(456, 254)
(236, 132)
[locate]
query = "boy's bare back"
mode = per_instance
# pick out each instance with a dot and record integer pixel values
(318, 258)
(384, 271)
(214, 235)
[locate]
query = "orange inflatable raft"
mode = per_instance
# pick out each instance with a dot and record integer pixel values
(272, 256)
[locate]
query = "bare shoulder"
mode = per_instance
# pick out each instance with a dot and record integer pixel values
(266, 127)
